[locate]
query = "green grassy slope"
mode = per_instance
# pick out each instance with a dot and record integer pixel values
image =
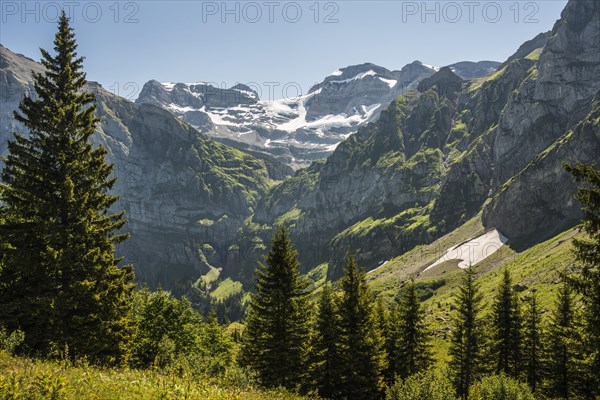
(535, 269)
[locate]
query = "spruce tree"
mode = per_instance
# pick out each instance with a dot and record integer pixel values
(277, 328)
(325, 358)
(412, 349)
(391, 340)
(588, 255)
(532, 344)
(384, 323)
(563, 363)
(60, 281)
(465, 345)
(361, 346)
(506, 329)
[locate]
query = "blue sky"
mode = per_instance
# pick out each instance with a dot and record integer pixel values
(274, 44)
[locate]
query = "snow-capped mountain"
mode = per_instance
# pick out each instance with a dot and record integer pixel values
(296, 130)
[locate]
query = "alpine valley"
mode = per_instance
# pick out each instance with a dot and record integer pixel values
(398, 167)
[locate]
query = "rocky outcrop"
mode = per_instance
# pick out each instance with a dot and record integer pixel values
(538, 201)
(556, 95)
(538, 42)
(445, 82)
(471, 70)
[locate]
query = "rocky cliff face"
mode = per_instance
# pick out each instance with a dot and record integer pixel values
(538, 201)
(185, 195)
(502, 137)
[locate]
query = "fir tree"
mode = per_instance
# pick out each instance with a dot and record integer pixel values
(465, 346)
(60, 281)
(562, 369)
(277, 334)
(325, 352)
(506, 329)
(361, 345)
(532, 344)
(413, 342)
(588, 254)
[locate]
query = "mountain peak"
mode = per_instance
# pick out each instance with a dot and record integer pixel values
(447, 83)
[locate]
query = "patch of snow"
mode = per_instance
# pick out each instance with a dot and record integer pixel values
(168, 85)
(381, 264)
(197, 83)
(391, 82)
(357, 77)
(475, 250)
(248, 93)
(337, 72)
(180, 109)
(432, 67)
(331, 147)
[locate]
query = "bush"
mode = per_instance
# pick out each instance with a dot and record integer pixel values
(500, 387)
(9, 342)
(171, 334)
(422, 386)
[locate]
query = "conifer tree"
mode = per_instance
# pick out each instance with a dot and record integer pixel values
(391, 340)
(277, 328)
(563, 348)
(465, 345)
(588, 255)
(532, 344)
(60, 281)
(362, 357)
(412, 349)
(382, 317)
(506, 329)
(325, 352)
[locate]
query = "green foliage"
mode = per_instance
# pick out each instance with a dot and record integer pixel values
(170, 331)
(166, 328)
(9, 342)
(563, 362)
(500, 387)
(466, 340)
(532, 344)
(277, 330)
(226, 288)
(425, 385)
(588, 255)
(361, 344)
(506, 340)
(60, 281)
(325, 352)
(411, 351)
(24, 379)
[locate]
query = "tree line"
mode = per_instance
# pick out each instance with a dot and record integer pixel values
(62, 290)
(348, 345)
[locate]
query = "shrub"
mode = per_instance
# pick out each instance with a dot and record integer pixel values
(422, 386)
(500, 387)
(171, 334)
(10, 341)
